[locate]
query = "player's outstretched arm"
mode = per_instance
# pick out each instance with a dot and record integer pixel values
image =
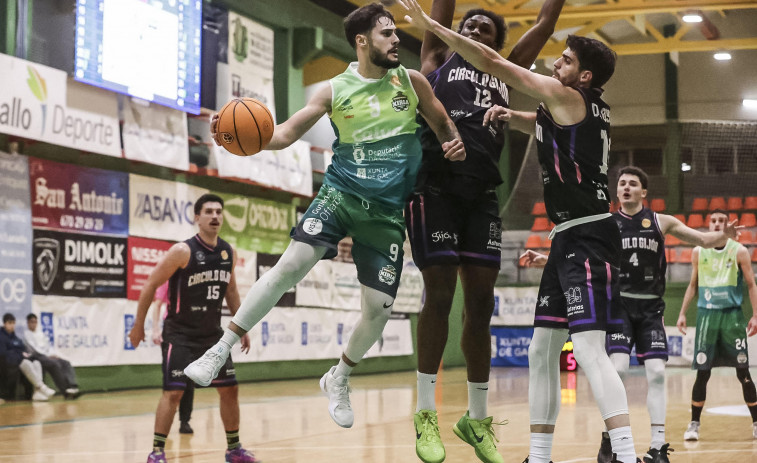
(521, 121)
(433, 111)
(433, 50)
(532, 258)
(710, 239)
(691, 291)
(177, 257)
(745, 264)
(524, 52)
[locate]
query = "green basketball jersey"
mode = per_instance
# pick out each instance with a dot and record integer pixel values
(376, 152)
(720, 277)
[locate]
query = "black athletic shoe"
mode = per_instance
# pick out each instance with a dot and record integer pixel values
(526, 460)
(185, 428)
(605, 449)
(658, 456)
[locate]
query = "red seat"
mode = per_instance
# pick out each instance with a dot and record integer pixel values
(539, 208)
(735, 204)
(540, 224)
(668, 252)
(671, 240)
(695, 221)
(533, 242)
(657, 205)
(645, 202)
(748, 220)
(717, 202)
(546, 243)
(680, 217)
(699, 204)
(732, 216)
(750, 203)
(754, 255)
(745, 237)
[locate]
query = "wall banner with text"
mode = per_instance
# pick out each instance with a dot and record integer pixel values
(256, 224)
(144, 255)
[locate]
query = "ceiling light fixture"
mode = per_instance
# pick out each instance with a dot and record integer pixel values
(692, 17)
(749, 103)
(722, 56)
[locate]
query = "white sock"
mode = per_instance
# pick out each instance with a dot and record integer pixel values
(229, 338)
(342, 369)
(478, 394)
(622, 444)
(541, 448)
(658, 437)
(426, 392)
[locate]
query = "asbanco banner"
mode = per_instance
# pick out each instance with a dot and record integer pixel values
(36, 103)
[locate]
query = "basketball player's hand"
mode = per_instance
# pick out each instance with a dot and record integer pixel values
(532, 258)
(681, 324)
(137, 334)
(454, 150)
(214, 129)
(732, 230)
(751, 327)
(415, 15)
(245, 343)
(497, 113)
(157, 336)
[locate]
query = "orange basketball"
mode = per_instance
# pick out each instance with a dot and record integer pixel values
(245, 126)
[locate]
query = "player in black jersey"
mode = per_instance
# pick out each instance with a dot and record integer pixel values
(453, 216)
(642, 285)
(200, 272)
(579, 289)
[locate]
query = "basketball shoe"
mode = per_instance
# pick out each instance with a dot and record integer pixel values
(240, 455)
(692, 432)
(428, 442)
(338, 391)
(605, 449)
(205, 369)
(526, 460)
(480, 435)
(658, 456)
(157, 456)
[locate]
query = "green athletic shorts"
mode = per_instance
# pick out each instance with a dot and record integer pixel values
(377, 235)
(720, 339)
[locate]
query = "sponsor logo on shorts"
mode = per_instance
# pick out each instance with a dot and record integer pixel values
(388, 275)
(544, 301)
(177, 373)
(741, 358)
(443, 236)
(231, 372)
(573, 295)
(312, 226)
(572, 254)
(618, 337)
(575, 309)
(495, 231)
(701, 358)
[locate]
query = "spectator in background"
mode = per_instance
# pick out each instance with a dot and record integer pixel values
(14, 358)
(158, 315)
(60, 369)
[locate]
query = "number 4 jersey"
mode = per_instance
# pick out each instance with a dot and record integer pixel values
(642, 264)
(196, 294)
(573, 160)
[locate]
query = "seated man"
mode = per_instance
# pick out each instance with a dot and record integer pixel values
(59, 368)
(13, 356)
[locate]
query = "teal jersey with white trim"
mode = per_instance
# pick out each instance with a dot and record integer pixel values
(376, 153)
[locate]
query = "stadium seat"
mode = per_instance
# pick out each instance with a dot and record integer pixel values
(699, 204)
(671, 240)
(754, 255)
(657, 204)
(732, 216)
(735, 204)
(546, 243)
(539, 208)
(533, 242)
(748, 219)
(717, 202)
(645, 202)
(540, 224)
(695, 221)
(668, 252)
(680, 217)
(745, 237)
(683, 256)
(750, 203)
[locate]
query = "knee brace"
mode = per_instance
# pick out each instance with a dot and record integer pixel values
(699, 392)
(747, 385)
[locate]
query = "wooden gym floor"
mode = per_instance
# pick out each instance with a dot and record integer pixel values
(287, 421)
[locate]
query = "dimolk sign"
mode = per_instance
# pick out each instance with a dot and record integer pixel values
(39, 103)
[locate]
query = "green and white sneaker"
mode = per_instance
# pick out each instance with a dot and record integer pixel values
(428, 442)
(480, 435)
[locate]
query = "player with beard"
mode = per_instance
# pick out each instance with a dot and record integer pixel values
(453, 217)
(372, 106)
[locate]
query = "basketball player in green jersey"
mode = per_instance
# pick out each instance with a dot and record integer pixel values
(719, 277)
(372, 106)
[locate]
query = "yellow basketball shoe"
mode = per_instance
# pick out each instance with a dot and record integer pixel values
(428, 442)
(480, 435)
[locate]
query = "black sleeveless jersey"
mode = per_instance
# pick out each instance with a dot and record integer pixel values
(466, 94)
(196, 294)
(643, 264)
(574, 160)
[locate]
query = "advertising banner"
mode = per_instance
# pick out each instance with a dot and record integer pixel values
(410, 293)
(265, 263)
(315, 290)
(510, 346)
(39, 103)
(514, 306)
(74, 198)
(15, 236)
(161, 209)
(346, 292)
(68, 264)
(155, 134)
(256, 224)
(246, 270)
(144, 255)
